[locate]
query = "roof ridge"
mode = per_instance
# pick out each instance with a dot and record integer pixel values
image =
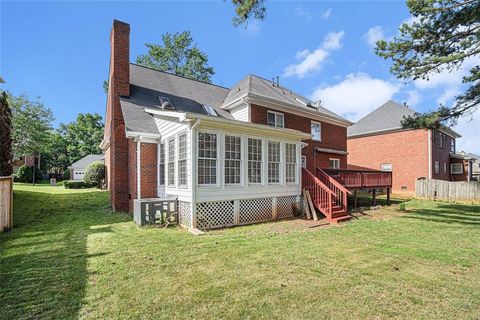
(176, 75)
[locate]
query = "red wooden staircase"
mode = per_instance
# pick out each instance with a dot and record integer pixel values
(328, 195)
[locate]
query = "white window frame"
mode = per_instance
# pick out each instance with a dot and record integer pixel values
(288, 163)
(171, 162)
(437, 166)
(182, 160)
(278, 163)
(387, 167)
(336, 163)
(442, 136)
(444, 168)
(161, 156)
(225, 159)
(320, 131)
(456, 165)
(205, 158)
(262, 157)
(275, 115)
(452, 145)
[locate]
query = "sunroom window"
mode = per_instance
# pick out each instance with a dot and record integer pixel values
(254, 160)
(182, 159)
(233, 156)
(171, 161)
(273, 162)
(290, 162)
(207, 158)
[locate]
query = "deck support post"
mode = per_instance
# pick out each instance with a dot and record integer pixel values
(388, 196)
(355, 198)
(374, 197)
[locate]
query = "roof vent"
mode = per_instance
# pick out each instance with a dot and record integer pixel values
(165, 103)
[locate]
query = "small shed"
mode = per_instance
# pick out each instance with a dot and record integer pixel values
(77, 169)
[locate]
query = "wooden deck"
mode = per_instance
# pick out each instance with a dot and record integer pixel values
(354, 179)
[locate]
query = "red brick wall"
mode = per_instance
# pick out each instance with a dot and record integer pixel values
(441, 154)
(333, 137)
(119, 85)
(148, 172)
(407, 151)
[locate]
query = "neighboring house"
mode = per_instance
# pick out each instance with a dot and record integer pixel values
(465, 166)
(27, 161)
(77, 169)
(378, 141)
(229, 155)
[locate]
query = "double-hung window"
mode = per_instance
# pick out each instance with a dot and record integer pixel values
(386, 167)
(334, 163)
(171, 161)
(316, 131)
(444, 168)
(456, 168)
(275, 119)
(442, 137)
(161, 165)
(273, 162)
(254, 160)
(207, 158)
(233, 159)
(290, 163)
(452, 145)
(437, 166)
(182, 159)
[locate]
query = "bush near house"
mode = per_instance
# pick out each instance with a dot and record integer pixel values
(66, 174)
(77, 185)
(95, 174)
(25, 174)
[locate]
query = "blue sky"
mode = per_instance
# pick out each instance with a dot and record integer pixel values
(59, 51)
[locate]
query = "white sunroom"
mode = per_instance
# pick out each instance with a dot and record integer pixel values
(225, 172)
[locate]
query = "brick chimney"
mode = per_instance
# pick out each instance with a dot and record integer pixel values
(116, 154)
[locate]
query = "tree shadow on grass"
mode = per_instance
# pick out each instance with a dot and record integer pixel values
(449, 213)
(43, 260)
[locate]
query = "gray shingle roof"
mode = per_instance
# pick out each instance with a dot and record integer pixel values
(87, 160)
(261, 87)
(387, 117)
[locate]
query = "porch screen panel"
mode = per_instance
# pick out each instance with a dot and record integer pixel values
(290, 163)
(171, 161)
(254, 160)
(182, 159)
(273, 162)
(207, 158)
(233, 152)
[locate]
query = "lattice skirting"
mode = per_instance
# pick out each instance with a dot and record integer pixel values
(185, 213)
(220, 214)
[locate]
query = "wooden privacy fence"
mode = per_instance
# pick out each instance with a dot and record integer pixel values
(464, 191)
(6, 203)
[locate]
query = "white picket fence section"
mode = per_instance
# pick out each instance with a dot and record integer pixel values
(464, 191)
(6, 203)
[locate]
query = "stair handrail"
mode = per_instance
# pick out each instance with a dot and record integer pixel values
(318, 181)
(333, 181)
(326, 201)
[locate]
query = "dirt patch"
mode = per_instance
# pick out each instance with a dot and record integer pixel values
(378, 213)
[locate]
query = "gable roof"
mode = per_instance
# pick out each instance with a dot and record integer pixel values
(385, 118)
(253, 85)
(86, 161)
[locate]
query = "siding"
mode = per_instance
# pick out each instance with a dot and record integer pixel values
(241, 113)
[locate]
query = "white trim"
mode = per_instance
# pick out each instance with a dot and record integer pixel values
(134, 134)
(275, 114)
(335, 160)
(453, 171)
(139, 173)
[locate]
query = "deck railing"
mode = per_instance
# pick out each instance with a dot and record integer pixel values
(320, 193)
(339, 191)
(351, 178)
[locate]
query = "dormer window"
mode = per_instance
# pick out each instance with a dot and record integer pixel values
(275, 119)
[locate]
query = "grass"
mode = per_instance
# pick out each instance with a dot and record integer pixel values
(70, 257)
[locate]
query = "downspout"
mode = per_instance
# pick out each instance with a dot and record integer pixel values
(429, 153)
(139, 184)
(193, 146)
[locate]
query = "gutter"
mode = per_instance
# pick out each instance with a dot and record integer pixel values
(193, 142)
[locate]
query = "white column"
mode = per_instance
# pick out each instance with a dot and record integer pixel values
(139, 191)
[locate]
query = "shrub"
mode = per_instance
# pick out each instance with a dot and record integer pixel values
(24, 174)
(38, 174)
(77, 185)
(401, 206)
(66, 174)
(95, 174)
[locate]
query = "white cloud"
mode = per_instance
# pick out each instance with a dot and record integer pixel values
(355, 96)
(302, 12)
(448, 95)
(413, 98)
(326, 14)
(469, 128)
(312, 61)
(373, 35)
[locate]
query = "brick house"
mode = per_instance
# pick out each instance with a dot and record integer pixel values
(228, 156)
(378, 141)
(28, 161)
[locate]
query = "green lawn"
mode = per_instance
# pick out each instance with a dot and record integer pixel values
(70, 257)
